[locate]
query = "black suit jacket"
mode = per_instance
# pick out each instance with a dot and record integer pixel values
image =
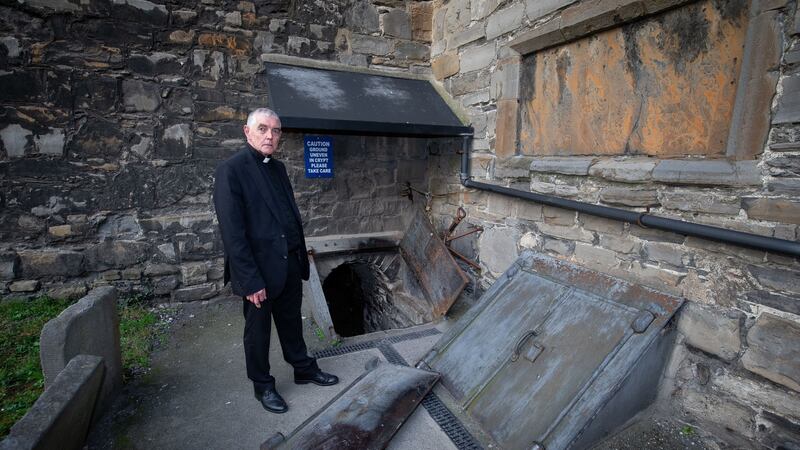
(252, 233)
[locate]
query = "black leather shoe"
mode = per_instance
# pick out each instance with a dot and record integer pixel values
(320, 379)
(272, 401)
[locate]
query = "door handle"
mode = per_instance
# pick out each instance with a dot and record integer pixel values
(520, 342)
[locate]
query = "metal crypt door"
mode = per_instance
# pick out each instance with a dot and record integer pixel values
(545, 348)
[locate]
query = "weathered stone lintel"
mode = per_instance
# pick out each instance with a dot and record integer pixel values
(641, 170)
(585, 18)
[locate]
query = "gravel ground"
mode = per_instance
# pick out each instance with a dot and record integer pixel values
(657, 430)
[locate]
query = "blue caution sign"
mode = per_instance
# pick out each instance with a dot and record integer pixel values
(319, 156)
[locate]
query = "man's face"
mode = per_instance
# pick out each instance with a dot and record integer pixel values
(264, 135)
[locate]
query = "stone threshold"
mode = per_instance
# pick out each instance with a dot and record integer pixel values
(718, 172)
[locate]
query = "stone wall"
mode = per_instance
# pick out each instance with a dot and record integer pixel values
(115, 114)
(736, 369)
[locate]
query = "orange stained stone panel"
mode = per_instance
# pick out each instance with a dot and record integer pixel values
(691, 112)
(663, 86)
(582, 102)
(506, 130)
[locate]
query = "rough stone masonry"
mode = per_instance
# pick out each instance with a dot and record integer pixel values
(114, 115)
(547, 85)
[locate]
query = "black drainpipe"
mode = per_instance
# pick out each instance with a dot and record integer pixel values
(644, 220)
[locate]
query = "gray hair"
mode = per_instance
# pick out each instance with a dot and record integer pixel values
(251, 118)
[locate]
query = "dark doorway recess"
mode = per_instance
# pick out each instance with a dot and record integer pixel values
(359, 299)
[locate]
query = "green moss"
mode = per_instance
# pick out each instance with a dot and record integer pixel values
(319, 333)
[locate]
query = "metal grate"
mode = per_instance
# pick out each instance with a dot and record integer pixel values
(449, 423)
(412, 335)
(391, 354)
(345, 349)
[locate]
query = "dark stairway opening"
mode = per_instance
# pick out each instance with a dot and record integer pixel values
(359, 299)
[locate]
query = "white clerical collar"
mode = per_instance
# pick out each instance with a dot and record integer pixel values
(266, 159)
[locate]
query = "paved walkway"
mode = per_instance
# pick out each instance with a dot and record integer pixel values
(198, 396)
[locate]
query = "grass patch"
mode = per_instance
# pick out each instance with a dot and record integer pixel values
(21, 379)
(21, 322)
(139, 331)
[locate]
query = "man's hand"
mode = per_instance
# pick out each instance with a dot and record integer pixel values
(258, 297)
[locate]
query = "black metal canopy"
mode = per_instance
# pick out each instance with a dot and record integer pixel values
(312, 99)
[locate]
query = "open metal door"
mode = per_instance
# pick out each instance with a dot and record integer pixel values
(364, 416)
(437, 272)
(546, 348)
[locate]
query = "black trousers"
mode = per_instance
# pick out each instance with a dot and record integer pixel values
(285, 310)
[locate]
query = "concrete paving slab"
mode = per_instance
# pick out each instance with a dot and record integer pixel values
(420, 432)
(197, 394)
(414, 350)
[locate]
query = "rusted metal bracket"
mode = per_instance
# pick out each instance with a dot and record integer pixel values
(465, 259)
(461, 214)
(466, 233)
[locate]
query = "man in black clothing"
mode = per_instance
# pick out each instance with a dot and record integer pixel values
(265, 256)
